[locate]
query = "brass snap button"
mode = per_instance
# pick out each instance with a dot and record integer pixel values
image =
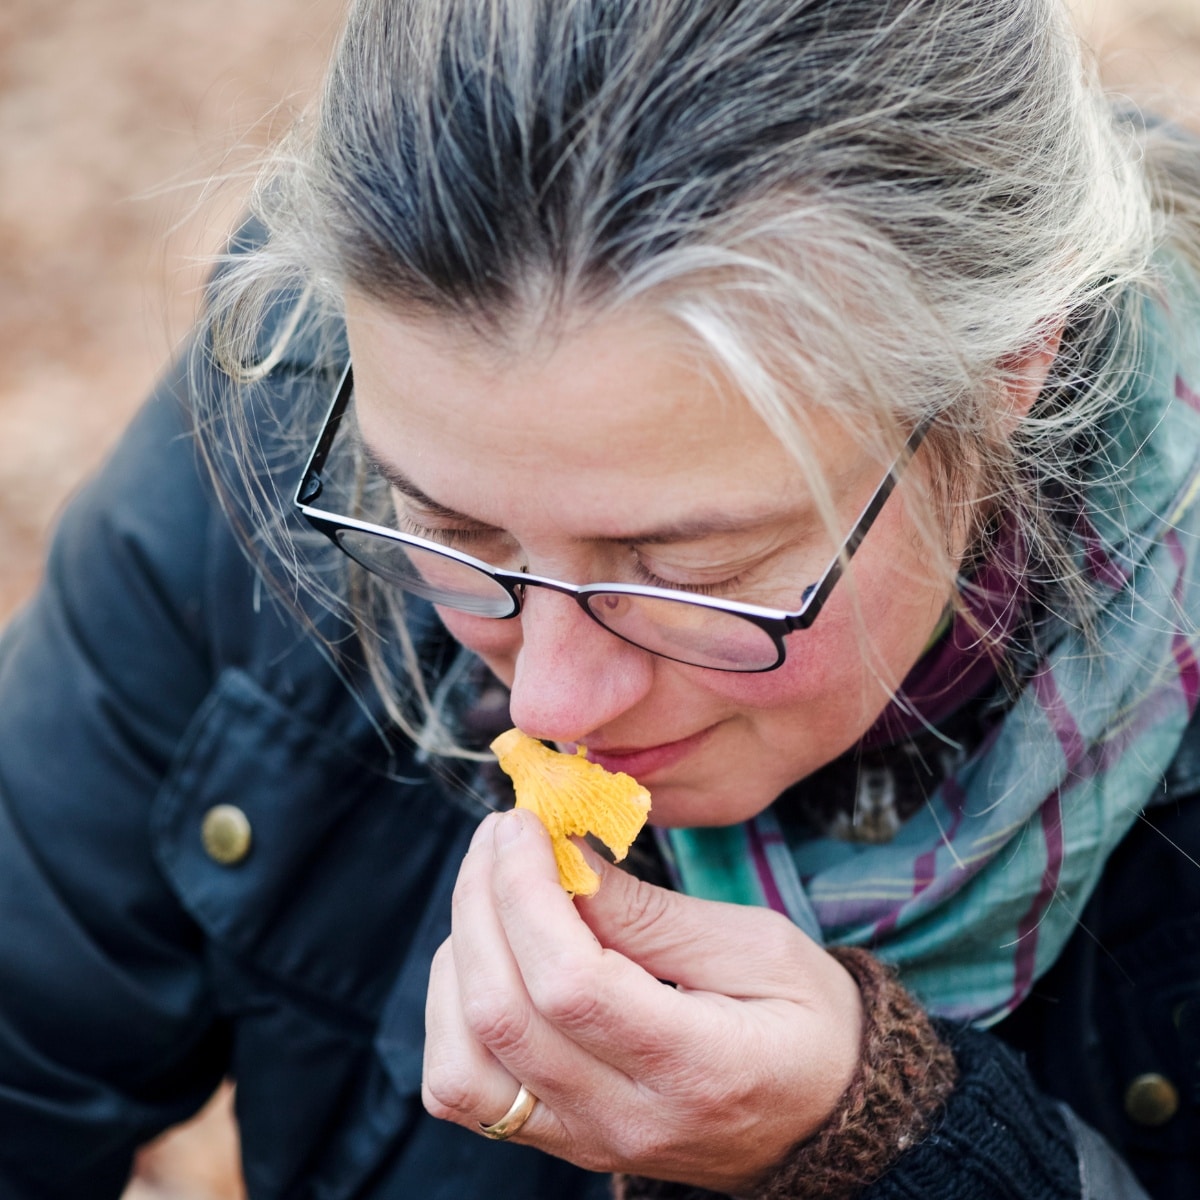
(225, 832)
(1151, 1099)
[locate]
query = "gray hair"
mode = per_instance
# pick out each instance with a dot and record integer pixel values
(875, 207)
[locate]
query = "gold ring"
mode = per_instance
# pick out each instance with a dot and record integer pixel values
(512, 1120)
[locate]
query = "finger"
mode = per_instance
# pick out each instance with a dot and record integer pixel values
(733, 950)
(497, 1010)
(461, 1081)
(492, 999)
(606, 1004)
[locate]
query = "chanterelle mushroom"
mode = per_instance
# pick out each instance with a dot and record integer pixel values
(573, 797)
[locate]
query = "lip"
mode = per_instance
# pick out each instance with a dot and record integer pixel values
(643, 762)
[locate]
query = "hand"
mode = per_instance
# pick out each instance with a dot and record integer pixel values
(709, 1082)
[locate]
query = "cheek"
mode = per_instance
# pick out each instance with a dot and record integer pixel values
(495, 641)
(821, 700)
(816, 669)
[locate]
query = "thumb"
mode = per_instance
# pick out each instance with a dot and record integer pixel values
(703, 945)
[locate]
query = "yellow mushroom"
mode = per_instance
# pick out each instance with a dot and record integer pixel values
(573, 797)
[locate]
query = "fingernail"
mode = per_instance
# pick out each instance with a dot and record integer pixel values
(510, 827)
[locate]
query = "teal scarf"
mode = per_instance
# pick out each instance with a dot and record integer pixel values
(975, 896)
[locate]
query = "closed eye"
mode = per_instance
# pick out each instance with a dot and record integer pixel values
(725, 587)
(454, 538)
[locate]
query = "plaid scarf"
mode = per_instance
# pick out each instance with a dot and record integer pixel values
(979, 888)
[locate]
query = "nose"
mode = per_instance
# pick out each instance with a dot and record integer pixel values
(571, 675)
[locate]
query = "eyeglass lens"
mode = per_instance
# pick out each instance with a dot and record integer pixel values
(435, 577)
(691, 633)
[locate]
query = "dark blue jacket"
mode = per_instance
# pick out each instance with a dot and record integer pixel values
(154, 678)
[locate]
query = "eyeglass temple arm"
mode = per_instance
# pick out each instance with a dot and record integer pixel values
(818, 592)
(309, 487)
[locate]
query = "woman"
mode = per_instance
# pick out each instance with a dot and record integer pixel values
(794, 404)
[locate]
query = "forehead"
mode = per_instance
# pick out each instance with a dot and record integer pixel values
(618, 416)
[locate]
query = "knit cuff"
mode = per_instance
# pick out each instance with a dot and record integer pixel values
(904, 1076)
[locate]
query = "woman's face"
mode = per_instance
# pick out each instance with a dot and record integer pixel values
(611, 455)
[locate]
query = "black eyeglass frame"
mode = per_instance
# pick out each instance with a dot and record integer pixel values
(776, 623)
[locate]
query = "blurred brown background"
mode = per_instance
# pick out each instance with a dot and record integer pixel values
(128, 134)
(127, 130)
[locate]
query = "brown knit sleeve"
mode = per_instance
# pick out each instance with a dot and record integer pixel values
(905, 1075)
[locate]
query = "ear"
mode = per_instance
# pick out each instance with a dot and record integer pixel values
(1026, 376)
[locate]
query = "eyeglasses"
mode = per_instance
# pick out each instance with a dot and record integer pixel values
(723, 635)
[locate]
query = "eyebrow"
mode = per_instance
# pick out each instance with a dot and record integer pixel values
(407, 488)
(689, 530)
